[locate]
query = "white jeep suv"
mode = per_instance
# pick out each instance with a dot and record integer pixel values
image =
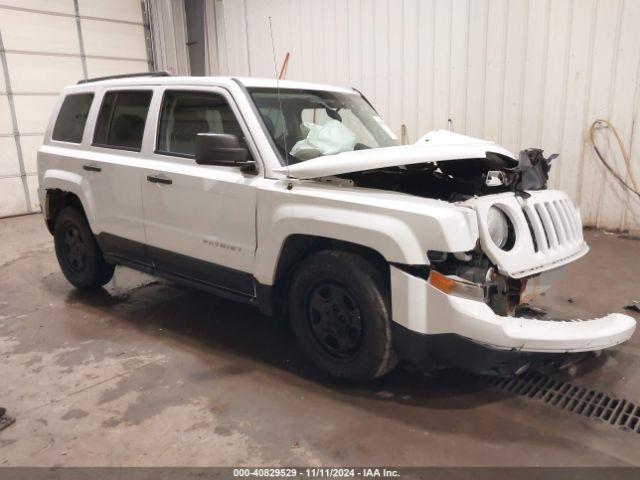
(298, 199)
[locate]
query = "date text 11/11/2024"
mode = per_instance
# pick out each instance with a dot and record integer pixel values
(317, 472)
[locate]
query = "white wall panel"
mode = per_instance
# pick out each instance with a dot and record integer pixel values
(567, 172)
(368, 78)
(229, 56)
(170, 36)
(521, 72)
(554, 82)
(57, 6)
(32, 185)
(477, 38)
(9, 166)
(111, 39)
(124, 10)
(459, 60)
(53, 73)
(342, 38)
(6, 126)
(33, 112)
(12, 198)
(441, 107)
(494, 70)
(38, 32)
(100, 67)
(632, 213)
(30, 145)
(514, 68)
(621, 109)
(601, 85)
(409, 67)
(534, 76)
(426, 58)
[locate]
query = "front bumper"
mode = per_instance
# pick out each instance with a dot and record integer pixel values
(453, 351)
(422, 309)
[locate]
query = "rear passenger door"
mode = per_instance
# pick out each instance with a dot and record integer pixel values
(199, 219)
(114, 171)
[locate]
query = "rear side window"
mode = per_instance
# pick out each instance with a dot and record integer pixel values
(72, 118)
(121, 120)
(186, 114)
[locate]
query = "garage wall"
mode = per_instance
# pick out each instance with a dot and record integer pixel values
(169, 33)
(520, 72)
(46, 45)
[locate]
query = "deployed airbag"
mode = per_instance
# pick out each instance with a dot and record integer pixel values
(328, 139)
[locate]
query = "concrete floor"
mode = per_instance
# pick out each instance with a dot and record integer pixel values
(148, 373)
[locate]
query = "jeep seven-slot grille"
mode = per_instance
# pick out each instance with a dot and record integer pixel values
(554, 224)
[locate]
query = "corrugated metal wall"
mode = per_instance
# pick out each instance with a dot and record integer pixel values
(520, 72)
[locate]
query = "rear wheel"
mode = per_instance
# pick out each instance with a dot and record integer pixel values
(340, 315)
(78, 253)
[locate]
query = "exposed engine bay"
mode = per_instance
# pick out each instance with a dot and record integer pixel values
(456, 182)
(462, 179)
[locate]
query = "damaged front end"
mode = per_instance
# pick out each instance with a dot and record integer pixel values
(485, 293)
(479, 320)
(510, 266)
(472, 275)
(527, 233)
(463, 178)
(471, 308)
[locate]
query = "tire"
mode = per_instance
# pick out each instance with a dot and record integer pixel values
(340, 315)
(78, 253)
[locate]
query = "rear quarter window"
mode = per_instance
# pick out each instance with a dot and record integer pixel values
(72, 118)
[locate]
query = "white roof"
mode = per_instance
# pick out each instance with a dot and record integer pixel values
(207, 81)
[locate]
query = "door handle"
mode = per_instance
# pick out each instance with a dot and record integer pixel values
(91, 168)
(159, 179)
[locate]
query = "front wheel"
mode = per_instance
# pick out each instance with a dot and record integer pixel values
(78, 253)
(339, 312)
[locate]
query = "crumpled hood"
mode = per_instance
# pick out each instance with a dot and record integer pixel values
(435, 146)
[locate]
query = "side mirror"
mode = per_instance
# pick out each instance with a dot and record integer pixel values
(222, 149)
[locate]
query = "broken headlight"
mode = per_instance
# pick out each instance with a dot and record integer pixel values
(500, 228)
(455, 285)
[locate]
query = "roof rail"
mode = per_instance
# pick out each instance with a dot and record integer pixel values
(126, 75)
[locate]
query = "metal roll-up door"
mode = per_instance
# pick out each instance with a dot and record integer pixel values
(44, 46)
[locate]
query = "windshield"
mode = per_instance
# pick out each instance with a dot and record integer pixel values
(314, 123)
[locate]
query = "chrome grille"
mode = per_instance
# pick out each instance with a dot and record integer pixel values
(554, 224)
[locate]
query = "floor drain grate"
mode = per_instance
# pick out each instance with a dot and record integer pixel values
(579, 400)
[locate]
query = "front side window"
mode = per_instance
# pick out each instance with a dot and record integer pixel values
(122, 118)
(72, 118)
(185, 114)
(305, 124)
